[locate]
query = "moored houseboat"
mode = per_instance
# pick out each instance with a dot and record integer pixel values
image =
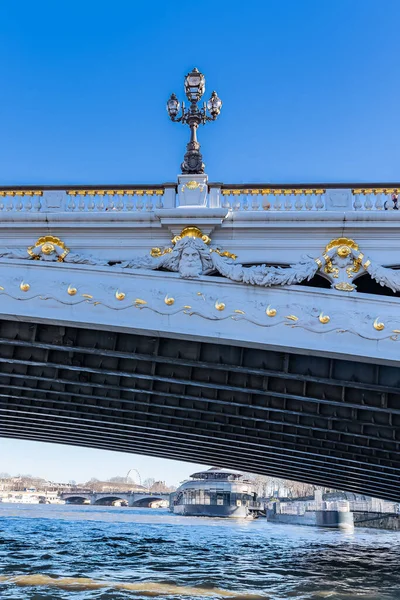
(214, 493)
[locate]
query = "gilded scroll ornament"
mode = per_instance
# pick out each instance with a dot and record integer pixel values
(51, 249)
(323, 318)
(342, 262)
(72, 290)
(48, 248)
(24, 287)
(378, 325)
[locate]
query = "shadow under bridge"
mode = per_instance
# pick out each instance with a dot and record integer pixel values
(321, 420)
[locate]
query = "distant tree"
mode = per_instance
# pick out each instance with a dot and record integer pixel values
(5, 476)
(160, 487)
(266, 486)
(149, 482)
(92, 484)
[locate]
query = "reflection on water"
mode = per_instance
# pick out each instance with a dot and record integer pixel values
(110, 553)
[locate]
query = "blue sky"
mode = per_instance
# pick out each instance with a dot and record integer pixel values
(65, 463)
(310, 88)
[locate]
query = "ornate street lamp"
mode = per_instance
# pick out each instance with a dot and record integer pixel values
(194, 116)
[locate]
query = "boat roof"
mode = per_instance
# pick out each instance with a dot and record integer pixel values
(219, 471)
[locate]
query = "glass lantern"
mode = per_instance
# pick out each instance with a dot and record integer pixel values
(194, 85)
(214, 105)
(173, 106)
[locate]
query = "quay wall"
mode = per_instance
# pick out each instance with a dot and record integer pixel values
(314, 518)
(377, 520)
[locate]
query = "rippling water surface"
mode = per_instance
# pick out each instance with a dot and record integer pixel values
(110, 553)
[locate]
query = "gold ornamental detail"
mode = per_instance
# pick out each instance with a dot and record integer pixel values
(72, 290)
(344, 246)
(48, 245)
(379, 326)
(156, 252)
(140, 302)
(324, 319)
(270, 312)
(192, 185)
(224, 253)
(273, 191)
(344, 286)
(356, 266)
(193, 232)
(103, 192)
(329, 268)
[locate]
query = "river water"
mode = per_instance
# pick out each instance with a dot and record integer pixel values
(115, 553)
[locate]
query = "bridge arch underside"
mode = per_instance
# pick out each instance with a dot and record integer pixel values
(77, 499)
(146, 502)
(110, 500)
(320, 420)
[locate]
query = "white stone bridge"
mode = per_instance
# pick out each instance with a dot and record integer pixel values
(137, 499)
(165, 320)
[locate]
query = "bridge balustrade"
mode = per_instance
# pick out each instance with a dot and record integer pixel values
(232, 197)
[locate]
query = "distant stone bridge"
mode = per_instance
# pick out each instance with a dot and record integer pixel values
(107, 498)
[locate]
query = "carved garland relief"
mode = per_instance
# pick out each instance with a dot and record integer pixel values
(191, 255)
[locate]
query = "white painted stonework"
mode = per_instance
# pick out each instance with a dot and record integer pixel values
(195, 312)
(239, 283)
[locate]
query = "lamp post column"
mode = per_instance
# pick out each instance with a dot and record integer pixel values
(193, 159)
(192, 189)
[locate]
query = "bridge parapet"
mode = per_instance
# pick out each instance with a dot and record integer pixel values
(272, 224)
(197, 191)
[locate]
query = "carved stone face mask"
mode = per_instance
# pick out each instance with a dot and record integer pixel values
(190, 264)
